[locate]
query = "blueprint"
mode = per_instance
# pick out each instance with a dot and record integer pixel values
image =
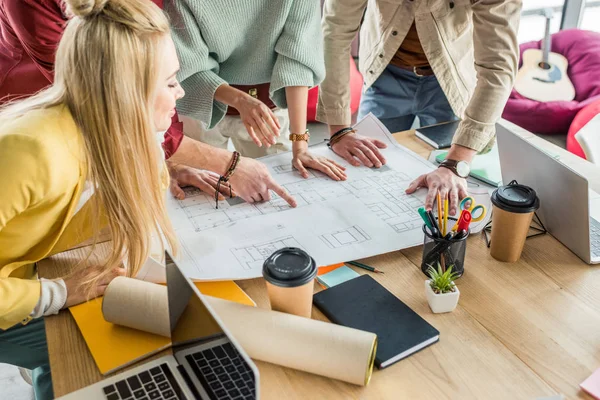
(366, 215)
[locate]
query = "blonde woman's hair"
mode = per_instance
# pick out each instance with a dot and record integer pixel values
(106, 74)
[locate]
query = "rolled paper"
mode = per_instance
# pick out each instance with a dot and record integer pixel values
(291, 341)
(308, 345)
(137, 304)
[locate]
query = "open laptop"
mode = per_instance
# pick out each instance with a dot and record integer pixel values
(569, 210)
(207, 362)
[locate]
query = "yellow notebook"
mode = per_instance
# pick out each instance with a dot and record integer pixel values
(114, 347)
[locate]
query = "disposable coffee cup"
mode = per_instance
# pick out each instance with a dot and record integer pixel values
(290, 274)
(514, 206)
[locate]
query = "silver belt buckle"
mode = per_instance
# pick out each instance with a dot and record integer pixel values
(416, 73)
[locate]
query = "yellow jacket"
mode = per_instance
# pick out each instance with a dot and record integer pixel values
(42, 175)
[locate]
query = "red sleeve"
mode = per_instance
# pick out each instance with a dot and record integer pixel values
(39, 25)
(173, 136)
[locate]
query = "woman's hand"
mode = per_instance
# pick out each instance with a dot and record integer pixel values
(304, 159)
(77, 289)
(206, 181)
(260, 122)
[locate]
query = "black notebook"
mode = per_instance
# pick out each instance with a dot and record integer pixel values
(364, 304)
(439, 136)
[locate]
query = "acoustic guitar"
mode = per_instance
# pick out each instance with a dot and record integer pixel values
(543, 76)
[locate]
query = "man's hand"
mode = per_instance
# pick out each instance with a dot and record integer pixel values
(445, 182)
(353, 147)
(253, 182)
(206, 181)
(304, 159)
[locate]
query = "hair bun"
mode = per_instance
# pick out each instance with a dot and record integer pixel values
(85, 8)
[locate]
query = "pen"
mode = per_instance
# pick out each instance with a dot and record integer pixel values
(445, 215)
(439, 207)
(433, 225)
(364, 266)
(423, 215)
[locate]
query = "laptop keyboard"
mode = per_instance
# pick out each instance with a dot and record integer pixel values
(156, 383)
(595, 237)
(223, 373)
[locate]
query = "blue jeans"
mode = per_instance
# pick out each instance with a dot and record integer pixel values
(398, 96)
(25, 346)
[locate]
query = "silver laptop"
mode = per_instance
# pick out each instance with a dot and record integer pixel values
(569, 210)
(207, 362)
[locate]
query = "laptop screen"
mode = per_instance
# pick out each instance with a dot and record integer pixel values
(217, 366)
(190, 320)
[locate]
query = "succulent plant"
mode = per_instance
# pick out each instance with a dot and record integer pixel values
(442, 281)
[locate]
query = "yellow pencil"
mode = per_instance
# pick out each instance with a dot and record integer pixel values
(439, 204)
(445, 215)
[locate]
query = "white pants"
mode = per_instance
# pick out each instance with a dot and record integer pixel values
(232, 127)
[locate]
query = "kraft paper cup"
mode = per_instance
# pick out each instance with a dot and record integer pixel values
(289, 274)
(513, 209)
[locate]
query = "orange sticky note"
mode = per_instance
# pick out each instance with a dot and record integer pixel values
(328, 268)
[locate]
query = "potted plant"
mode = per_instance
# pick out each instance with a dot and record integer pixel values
(442, 293)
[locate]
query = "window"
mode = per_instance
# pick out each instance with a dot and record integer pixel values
(591, 16)
(533, 22)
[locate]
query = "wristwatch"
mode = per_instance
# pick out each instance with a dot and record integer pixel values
(297, 137)
(460, 168)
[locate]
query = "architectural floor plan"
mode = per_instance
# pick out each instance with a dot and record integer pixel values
(367, 214)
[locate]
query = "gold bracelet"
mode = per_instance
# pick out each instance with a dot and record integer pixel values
(299, 137)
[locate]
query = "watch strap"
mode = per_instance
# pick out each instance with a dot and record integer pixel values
(451, 165)
(298, 137)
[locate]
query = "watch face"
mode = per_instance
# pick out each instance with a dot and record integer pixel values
(463, 169)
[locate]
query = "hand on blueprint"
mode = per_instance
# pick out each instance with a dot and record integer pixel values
(260, 122)
(445, 182)
(253, 182)
(357, 150)
(77, 289)
(206, 181)
(304, 159)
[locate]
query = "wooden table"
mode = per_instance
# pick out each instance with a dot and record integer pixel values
(521, 331)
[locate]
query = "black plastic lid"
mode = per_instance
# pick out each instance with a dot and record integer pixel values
(289, 267)
(516, 198)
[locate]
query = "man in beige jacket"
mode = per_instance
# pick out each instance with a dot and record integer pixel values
(435, 59)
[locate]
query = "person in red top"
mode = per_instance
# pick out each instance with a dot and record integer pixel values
(29, 34)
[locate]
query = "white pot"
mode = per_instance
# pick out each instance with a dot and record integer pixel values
(441, 303)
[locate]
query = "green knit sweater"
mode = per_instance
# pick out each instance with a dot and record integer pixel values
(244, 42)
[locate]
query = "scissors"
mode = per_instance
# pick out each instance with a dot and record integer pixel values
(476, 212)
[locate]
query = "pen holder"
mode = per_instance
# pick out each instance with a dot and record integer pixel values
(445, 251)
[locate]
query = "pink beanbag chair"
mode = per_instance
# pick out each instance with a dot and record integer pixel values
(356, 83)
(581, 119)
(582, 50)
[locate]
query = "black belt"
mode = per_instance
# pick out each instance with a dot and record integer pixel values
(418, 71)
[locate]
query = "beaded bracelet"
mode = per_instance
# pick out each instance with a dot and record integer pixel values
(225, 178)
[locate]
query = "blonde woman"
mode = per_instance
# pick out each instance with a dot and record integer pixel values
(84, 151)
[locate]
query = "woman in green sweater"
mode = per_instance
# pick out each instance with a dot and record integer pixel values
(246, 68)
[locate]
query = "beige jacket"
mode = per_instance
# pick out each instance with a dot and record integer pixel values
(470, 44)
